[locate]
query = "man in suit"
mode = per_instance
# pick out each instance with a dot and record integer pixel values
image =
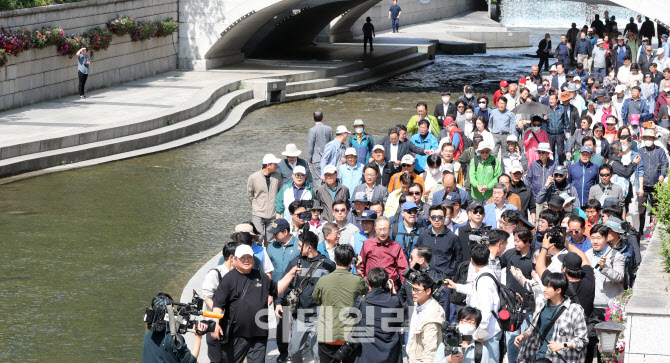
(317, 138)
(560, 78)
(395, 148)
(445, 108)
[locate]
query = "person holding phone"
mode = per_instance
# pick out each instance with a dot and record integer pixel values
(83, 61)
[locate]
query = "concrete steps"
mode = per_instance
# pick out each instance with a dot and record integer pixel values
(118, 145)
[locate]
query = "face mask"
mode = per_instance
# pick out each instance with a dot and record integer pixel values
(666, 90)
(482, 105)
(466, 329)
(468, 95)
(445, 99)
(536, 129)
(648, 143)
(607, 105)
(624, 148)
(612, 74)
(359, 130)
(434, 170)
(468, 116)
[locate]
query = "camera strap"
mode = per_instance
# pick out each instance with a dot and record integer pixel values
(239, 300)
(479, 350)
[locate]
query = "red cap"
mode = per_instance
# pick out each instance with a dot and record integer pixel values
(448, 121)
(503, 83)
(522, 80)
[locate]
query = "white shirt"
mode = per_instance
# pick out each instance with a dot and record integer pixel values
(394, 152)
(468, 126)
(211, 282)
(416, 317)
(461, 218)
(499, 211)
(484, 297)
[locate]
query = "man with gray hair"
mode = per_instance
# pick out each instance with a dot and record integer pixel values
(382, 251)
(317, 138)
(493, 211)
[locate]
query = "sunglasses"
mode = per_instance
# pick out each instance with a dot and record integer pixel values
(299, 175)
(415, 193)
(412, 211)
(605, 175)
(478, 211)
(436, 218)
(340, 210)
(406, 165)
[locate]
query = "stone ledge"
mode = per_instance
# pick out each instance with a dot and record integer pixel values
(651, 294)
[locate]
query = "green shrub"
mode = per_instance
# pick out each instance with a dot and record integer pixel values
(661, 214)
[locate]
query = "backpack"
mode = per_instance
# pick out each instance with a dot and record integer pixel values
(510, 312)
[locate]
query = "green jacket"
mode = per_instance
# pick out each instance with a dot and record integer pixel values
(413, 127)
(485, 174)
(333, 293)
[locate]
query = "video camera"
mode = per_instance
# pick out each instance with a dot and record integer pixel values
(480, 235)
(452, 338)
(179, 317)
(556, 236)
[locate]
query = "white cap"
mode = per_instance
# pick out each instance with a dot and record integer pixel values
(378, 147)
(553, 69)
(447, 167)
(299, 170)
(358, 122)
(484, 145)
(341, 130)
(660, 51)
(351, 151)
(329, 169)
(291, 150)
(544, 146)
(619, 88)
(270, 159)
(245, 227)
(512, 138)
(407, 159)
(242, 250)
(577, 78)
(516, 167)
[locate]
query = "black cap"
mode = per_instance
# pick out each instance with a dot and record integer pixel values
(469, 88)
(475, 204)
(556, 201)
(572, 261)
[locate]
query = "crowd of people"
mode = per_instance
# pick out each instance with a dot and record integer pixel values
(368, 250)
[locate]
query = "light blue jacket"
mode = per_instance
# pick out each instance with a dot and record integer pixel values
(351, 177)
(281, 255)
(331, 155)
(490, 217)
(428, 143)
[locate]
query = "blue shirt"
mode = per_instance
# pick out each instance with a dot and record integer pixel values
(486, 113)
(332, 153)
(502, 122)
(395, 10)
(82, 66)
(281, 256)
(583, 177)
(350, 177)
(584, 246)
(429, 142)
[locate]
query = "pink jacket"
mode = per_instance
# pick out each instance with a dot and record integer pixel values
(530, 145)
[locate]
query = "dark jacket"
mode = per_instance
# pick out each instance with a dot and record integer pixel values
(461, 277)
(547, 191)
(286, 171)
(526, 195)
(583, 46)
(644, 63)
(656, 164)
(383, 343)
(614, 54)
(404, 148)
(538, 173)
(323, 196)
(541, 46)
(446, 250)
(440, 112)
(583, 177)
(574, 119)
(604, 148)
(405, 292)
(306, 300)
(557, 123)
(464, 239)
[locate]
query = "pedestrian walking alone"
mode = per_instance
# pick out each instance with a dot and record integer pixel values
(394, 16)
(368, 34)
(83, 61)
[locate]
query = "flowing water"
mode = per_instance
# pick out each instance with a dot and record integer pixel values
(559, 13)
(84, 251)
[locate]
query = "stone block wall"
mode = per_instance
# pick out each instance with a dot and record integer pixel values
(40, 75)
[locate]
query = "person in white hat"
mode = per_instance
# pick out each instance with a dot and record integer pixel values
(662, 59)
(350, 174)
(599, 60)
(333, 153)
(332, 190)
(513, 154)
(292, 160)
(484, 171)
(541, 169)
(297, 190)
(361, 141)
(655, 161)
(406, 167)
(262, 189)
(317, 138)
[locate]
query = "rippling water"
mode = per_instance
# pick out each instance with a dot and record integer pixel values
(84, 251)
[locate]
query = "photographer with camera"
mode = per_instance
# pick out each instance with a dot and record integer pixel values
(334, 294)
(466, 349)
(425, 327)
(159, 344)
(241, 296)
(298, 297)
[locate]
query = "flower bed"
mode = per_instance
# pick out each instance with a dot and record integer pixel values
(22, 4)
(617, 314)
(14, 42)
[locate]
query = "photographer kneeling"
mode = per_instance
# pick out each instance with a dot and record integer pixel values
(468, 321)
(159, 345)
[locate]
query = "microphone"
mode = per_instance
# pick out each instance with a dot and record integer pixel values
(210, 314)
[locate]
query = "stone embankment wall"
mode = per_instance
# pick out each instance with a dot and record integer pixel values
(39, 75)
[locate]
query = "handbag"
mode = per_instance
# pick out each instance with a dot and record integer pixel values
(229, 324)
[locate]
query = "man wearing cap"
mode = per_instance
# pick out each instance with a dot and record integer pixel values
(518, 187)
(664, 44)
(422, 114)
(655, 170)
(558, 129)
(304, 323)
(583, 175)
(281, 251)
(350, 174)
(407, 167)
(446, 247)
(635, 105)
(262, 189)
(476, 215)
(555, 185)
(502, 123)
(495, 209)
(443, 109)
(333, 152)
(484, 171)
(599, 55)
(541, 169)
(405, 229)
(386, 169)
(292, 160)
(332, 190)
(248, 338)
(317, 138)
(425, 140)
(458, 216)
(615, 239)
(500, 92)
(619, 53)
(361, 141)
(469, 96)
(367, 230)
(298, 190)
(662, 59)
(543, 49)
